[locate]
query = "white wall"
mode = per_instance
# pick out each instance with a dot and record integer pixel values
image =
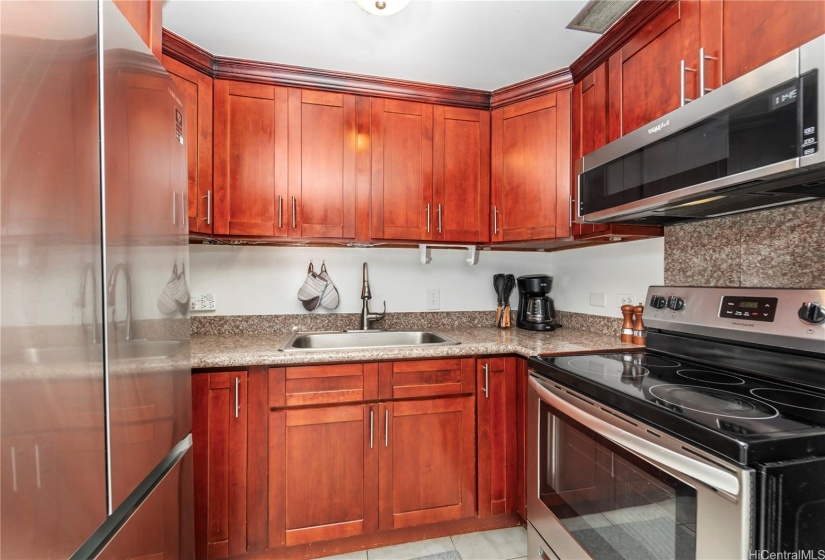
(261, 280)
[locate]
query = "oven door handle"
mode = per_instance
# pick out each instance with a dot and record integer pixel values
(707, 474)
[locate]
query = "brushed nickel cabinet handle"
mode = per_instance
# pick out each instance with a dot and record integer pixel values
(174, 208)
(294, 214)
(495, 220)
(386, 427)
(209, 208)
(280, 211)
(487, 380)
(702, 58)
(439, 218)
(237, 402)
(428, 217)
(372, 413)
(37, 463)
(682, 69)
(13, 469)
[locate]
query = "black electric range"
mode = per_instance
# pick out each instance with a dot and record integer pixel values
(739, 372)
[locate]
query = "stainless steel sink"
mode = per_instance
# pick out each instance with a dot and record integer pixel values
(349, 340)
(141, 349)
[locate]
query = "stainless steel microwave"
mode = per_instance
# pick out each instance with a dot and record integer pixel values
(752, 143)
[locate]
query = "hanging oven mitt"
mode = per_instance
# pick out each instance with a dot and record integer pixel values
(181, 291)
(311, 291)
(330, 298)
(166, 299)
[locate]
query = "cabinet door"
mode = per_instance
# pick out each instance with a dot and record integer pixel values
(323, 466)
(402, 170)
(219, 433)
(250, 159)
(756, 32)
(145, 17)
(197, 93)
(531, 169)
(461, 174)
(322, 151)
(645, 72)
(427, 461)
(589, 131)
(497, 441)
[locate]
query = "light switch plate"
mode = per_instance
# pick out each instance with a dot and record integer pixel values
(598, 299)
(433, 299)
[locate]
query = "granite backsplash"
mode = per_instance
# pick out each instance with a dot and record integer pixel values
(277, 324)
(778, 248)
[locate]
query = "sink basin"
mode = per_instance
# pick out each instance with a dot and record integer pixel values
(141, 349)
(348, 340)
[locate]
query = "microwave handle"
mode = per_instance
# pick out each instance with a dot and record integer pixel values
(711, 476)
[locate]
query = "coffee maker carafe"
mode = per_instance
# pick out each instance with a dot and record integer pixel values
(535, 308)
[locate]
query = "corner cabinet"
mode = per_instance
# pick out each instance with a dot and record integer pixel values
(531, 169)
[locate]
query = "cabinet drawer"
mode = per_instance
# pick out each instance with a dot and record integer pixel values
(323, 384)
(426, 378)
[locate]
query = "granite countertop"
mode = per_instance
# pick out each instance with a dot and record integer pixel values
(209, 351)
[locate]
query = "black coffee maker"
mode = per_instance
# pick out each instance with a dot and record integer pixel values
(535, 308)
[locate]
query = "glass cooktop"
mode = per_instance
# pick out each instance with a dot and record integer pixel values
(745, 418)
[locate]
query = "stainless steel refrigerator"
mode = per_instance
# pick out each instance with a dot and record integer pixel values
(95, 402)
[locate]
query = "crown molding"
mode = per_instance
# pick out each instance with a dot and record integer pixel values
(175, 46)
(344, 82)
(533, 87)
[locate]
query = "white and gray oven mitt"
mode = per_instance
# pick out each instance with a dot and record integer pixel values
(311, 292)
(175, 294)
(330, 298)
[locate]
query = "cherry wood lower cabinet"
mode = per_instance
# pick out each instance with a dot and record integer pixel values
(496, 400)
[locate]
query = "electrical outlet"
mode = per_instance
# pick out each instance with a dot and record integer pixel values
(433, 299)
(626, 299)
(203, 302)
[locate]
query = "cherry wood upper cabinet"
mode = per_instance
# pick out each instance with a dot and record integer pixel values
(426, 479)
(197, 94)
(497, 437)
(219, 434)
(461, 174)
(250, 159)
(644, 75)
(402, 170)
(755, 32)
(531, 169)
(323, 473)
(322, 164)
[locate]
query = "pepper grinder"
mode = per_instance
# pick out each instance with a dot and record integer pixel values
(639, 330)
(627, 325)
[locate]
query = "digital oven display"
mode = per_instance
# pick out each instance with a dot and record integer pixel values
(748, 308)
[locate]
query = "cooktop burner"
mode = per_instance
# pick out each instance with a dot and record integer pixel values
(744, 417)
(711, 401)
(710, 376)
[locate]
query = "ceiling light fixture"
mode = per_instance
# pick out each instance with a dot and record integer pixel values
(382, 7)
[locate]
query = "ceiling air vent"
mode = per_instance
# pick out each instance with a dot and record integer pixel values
(598, 15)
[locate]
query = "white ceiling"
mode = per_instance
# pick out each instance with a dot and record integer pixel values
(479, 44)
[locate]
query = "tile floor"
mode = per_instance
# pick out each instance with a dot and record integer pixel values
(500, 544)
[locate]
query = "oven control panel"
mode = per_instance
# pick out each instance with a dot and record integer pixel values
(751, 308)
(790, 318)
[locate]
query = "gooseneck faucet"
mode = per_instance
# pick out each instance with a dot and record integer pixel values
(366, 316)
(121, 267)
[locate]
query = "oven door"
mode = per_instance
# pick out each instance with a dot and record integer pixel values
(601, 485)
